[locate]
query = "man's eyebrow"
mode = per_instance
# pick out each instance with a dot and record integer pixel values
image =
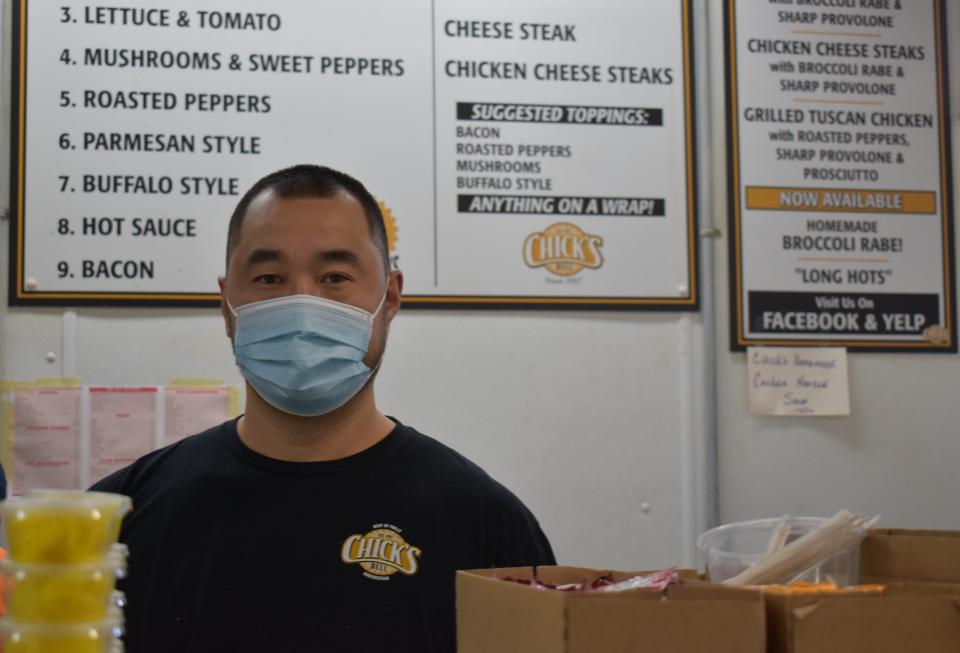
(261, 255)
(337, 256)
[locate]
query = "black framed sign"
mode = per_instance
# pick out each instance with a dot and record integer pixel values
(840, 176)
(525, 154)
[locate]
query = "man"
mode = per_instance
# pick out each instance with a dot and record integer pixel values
(313, 522)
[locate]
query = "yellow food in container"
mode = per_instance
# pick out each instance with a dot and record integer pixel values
(62, 527)
(101, 637)
(59, 594)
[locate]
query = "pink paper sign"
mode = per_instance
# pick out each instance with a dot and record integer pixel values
(122, 424)
(46, 438)
(192, 410)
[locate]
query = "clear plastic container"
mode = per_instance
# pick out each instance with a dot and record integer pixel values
(733, 548)
(62, 527)
(100, 637)
(59, 594)
(117, 505)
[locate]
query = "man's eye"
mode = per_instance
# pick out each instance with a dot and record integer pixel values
(268, 279)
(336, 277)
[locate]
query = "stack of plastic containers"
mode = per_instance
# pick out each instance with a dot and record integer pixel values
(59, 579)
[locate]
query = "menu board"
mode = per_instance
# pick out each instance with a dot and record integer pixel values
(840, 182)
(523, 153)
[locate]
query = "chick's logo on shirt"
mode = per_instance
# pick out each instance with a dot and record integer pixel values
(563, 249)
(381, 553)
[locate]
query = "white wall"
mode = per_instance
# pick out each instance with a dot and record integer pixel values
(897, 454)
(580, 414)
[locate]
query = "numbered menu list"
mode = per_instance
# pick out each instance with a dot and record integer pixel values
(839, 171)
(135, 126)
(561, 159)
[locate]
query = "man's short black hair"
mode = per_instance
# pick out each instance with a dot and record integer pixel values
(312, 181)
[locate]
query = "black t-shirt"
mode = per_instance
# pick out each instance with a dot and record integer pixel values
(234, 551)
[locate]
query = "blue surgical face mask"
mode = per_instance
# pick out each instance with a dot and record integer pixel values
(303, 354)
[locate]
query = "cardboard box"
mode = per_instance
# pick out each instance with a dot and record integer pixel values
(902, 619)
(915, 555)
(494, 616)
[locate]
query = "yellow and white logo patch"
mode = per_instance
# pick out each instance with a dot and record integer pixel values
(390, 225)
(381, 553)
(563, 249)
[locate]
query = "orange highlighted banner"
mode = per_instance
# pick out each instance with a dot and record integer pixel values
(841, 200)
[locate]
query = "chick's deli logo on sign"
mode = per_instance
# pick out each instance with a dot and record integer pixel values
(381, 553)
(391, 228)
(564, 249)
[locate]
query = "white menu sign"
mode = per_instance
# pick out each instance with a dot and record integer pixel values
(525, 153)
(841, 225)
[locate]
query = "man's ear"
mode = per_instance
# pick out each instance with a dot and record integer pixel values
(394, 294)
(224, 309)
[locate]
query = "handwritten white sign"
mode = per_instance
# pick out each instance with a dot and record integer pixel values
(804, 382)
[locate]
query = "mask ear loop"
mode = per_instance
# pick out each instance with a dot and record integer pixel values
(233, 312)
(376, 367)
(372, 316)
(380, 305)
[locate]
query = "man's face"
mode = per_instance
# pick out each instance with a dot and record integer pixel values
(313, 246)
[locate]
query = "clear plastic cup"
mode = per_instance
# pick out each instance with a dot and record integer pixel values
(120, 550)
(59, 594)
(106, 501)
(733, 548)
(99, 637)
(62, 527)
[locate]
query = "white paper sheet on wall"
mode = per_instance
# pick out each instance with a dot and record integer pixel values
(802, 382)
(192, 409)
(122, 427)
(44, 438)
